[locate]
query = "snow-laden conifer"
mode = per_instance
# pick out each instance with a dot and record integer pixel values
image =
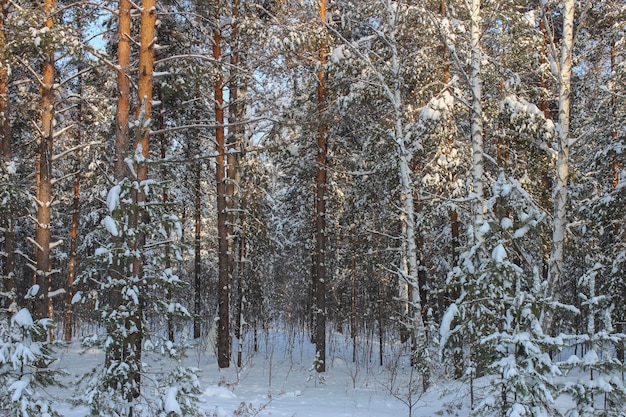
(495, 321)
(25, 372)
(125, 301)
(596, 384)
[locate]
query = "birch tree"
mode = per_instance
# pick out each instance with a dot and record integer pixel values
(564, 77)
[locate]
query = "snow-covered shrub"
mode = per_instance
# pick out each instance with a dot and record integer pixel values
(598, 389)
(25, 358)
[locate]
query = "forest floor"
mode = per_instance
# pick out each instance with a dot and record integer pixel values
(278, 381)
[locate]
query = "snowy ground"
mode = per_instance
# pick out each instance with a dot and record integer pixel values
(278, 381)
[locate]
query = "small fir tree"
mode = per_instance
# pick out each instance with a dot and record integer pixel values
(496, 319)
(25, 356)
(126, 301)
(599, 388)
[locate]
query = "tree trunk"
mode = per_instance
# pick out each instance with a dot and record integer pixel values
(6, 223)
(320, 209)
(71, 265)
(197, 265)
(546, 181)
(476, 119)
(555, 270)
(164, 176)
(234, 143)
(44, 180)
(123, 89)
(243, 293)
(223, 291)
(120, 169)
(142, 145)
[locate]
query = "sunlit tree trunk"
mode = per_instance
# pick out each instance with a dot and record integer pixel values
(223, 291)
(43, 196)
(476, 118)
(123, 89)
(145, 84)
(555, 270)
(120, 169)
(320, 209)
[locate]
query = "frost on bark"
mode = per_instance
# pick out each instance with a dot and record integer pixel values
(555, 269)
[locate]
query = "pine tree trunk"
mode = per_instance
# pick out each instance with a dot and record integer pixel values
(73, 255)
(164, 176)
(197, 265)
(6, 222)
(223, 291)
(122, 142)
(71, 265)
(234, 146)
(142, 145)
(123, 89)
(44, 180)
(320, 210)
(555, 271)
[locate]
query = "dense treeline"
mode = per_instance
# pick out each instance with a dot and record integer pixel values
(442, 173)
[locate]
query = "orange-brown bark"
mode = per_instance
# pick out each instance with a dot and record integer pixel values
(123, 88)
(43, 196)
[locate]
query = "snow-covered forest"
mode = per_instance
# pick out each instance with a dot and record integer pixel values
(419, 202)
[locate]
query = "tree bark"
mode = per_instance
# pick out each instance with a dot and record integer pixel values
(44, 195)
(123, 89)
(476, 118)
(234, 142)
(320, 208)
(165, 196)
(197, 265)
(6, 223)
(223, 291)
(555, 270)
(142, 146)
(71, 265)
(120, 169)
